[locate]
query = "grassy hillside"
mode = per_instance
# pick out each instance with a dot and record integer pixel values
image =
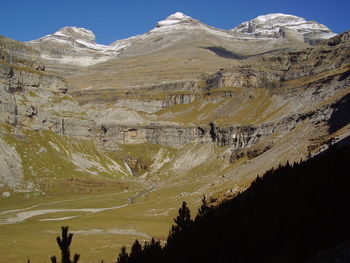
(287, 215)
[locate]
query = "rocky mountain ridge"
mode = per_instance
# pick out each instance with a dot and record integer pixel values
(280, 93)
(78, 47)
(277, 25)
(181, 112)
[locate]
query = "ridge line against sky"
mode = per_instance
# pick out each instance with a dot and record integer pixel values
(112, 20)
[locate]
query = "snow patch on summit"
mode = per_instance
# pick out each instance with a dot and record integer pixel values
(268, 17)
(173, 19)
(270, 26)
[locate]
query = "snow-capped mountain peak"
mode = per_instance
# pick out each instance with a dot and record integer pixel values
(77, 46)
(77, 33)
(173, 19)
(271, 26)
(178, 16)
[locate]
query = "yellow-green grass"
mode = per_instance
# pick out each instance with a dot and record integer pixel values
(151, 215)
(47, 157)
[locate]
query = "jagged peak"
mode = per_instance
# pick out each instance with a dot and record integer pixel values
(175, 18)
(76, 33)
(271, 25)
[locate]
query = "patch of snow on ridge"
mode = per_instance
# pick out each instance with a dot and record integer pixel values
(265, 18)
(178, 16)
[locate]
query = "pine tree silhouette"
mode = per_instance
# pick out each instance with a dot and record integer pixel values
(64, 244)
(204, 209)
(123, 256)
(136, 252)
(183, 221)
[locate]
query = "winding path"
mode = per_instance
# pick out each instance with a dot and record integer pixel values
(20, 215)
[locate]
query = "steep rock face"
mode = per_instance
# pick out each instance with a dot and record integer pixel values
(41, 126)
(29, 96)
(14, 52)
(285, 67)
(236, 137)
(282, 25)
(173, 136)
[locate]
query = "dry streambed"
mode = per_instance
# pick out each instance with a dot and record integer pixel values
(23, 214)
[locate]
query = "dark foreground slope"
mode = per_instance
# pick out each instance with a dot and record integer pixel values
(287, 215)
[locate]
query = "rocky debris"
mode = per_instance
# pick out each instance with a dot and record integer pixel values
(42, 150)
(6, 194)
(338, 39)
(31, 112)
(10, 165)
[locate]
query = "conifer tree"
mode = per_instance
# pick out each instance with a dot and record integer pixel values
(181, 229)
(183, 221)
(123, 256)
(135, 253)
(204, 208)
(64, 244)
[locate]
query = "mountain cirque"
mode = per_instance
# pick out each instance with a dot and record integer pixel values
(180, 111)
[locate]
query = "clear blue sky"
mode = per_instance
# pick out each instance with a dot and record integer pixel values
(111, 20)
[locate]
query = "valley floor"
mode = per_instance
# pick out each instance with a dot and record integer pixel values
(101, 223)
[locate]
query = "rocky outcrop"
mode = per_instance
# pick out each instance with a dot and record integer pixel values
(245, 78)
(17, 53)
(271, 71)
(290, 33)
(336, 40)
(234, 136)
(29, 97)
(173, 136)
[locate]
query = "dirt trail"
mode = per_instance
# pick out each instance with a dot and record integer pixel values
(20, 215)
